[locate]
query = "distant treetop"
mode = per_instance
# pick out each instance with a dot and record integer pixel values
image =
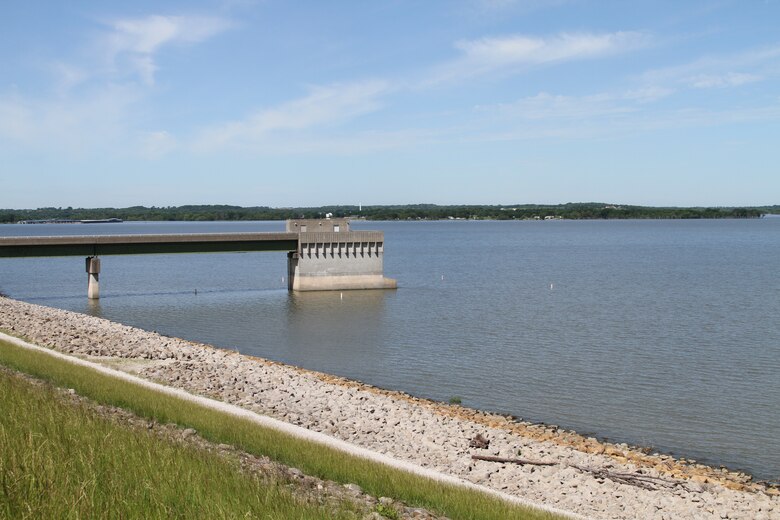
(575, 211)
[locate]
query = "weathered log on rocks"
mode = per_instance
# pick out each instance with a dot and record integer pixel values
(643, 481)
(512, 461)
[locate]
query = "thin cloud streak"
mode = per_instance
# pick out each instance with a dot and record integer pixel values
(730, 79)
(509, 54)
(729, 70)
(545, 116)
(324, 106)
(545, 106)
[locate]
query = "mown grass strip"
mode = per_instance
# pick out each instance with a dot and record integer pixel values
(312, 458)
(60, 460)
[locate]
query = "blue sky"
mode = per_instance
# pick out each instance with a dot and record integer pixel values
(310, 103)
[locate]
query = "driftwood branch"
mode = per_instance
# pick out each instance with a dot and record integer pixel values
(512, 461)
(632, 479)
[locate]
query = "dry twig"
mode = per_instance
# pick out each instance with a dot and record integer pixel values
(632, 479)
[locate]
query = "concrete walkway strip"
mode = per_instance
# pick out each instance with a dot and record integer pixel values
(290, 429)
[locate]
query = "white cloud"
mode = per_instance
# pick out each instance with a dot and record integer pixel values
(509, 53)
(721, 71)
(648, 94)
(553, 114)
(730, 79)
(94, 101)
(134, 41)
(323, 106)
(545, 106)
(524, 49)
(155, 144)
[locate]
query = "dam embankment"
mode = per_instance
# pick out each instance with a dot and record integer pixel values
(584, 476)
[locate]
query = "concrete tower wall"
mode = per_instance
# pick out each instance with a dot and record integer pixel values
(338, 261)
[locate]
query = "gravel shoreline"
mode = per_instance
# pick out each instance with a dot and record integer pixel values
(584, 478)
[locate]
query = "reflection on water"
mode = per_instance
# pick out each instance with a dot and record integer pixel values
(94, 308)
(336, 327)
(323, 303)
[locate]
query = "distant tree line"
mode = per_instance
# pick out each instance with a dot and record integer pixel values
(576, 211)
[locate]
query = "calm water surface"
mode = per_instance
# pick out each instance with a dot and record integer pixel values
(658, 333)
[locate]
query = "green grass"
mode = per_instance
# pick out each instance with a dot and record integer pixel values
(60, 460)
(313, 459)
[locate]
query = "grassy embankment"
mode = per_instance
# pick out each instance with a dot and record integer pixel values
(41, 447)
(60, 460)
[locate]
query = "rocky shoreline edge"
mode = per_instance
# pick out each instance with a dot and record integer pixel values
(581, 478)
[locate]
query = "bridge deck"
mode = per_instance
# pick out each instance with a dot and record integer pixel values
(95, 245)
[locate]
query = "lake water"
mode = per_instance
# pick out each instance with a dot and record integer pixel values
(656, 333)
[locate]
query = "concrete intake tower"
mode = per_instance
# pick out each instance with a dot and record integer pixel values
(330, 257)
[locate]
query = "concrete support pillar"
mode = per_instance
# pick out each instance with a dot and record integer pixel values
(292, 270)
(93, 272)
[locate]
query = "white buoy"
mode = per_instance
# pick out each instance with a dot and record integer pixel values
(442, 277)
(551, 286)
(342, 295)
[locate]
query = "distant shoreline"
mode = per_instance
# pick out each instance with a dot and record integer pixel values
(70, 221)
(569, 211)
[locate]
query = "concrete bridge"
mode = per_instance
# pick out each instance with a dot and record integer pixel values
(322, 255)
